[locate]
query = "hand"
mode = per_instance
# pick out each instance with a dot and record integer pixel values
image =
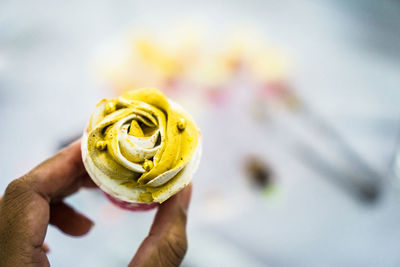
(33, 201)
(166, 243)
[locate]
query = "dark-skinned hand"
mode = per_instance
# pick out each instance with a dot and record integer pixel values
(35, 200)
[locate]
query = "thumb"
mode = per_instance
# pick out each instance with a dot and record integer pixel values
(166, 243)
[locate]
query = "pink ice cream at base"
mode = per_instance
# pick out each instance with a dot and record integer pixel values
(132, 206)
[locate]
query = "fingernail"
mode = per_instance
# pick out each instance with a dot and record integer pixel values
(45, 248)
(185, 197)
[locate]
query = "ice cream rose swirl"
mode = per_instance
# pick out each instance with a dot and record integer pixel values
(142, 142)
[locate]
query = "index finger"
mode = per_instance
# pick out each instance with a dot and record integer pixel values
(60, 175)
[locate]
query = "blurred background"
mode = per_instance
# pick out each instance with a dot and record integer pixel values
(298, 102)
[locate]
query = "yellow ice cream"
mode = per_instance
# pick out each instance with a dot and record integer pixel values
(142, 142)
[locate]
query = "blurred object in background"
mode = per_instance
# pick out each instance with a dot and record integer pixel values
(258, 173)
(189, 60)
(395, 165)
